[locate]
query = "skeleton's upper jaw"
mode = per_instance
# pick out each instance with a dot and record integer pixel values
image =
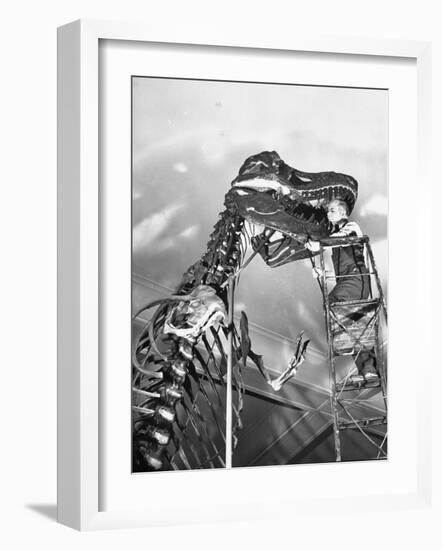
(264, 185)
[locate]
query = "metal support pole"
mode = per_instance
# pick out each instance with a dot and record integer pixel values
(230, 309)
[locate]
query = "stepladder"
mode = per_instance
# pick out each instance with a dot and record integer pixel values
(356, 329)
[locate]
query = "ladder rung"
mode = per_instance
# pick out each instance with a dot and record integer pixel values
(358, 274)
(333, 242)
(363, 423)
(355, 303)
(351, 352)
(351, 386)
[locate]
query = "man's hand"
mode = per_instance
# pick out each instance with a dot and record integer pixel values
(313, 246)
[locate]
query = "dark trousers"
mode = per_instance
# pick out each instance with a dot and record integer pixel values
(349, 289)
(353, 287)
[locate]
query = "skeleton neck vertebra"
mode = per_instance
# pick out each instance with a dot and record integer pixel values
(224, 253)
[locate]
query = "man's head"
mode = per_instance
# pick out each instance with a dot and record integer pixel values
(337, 210)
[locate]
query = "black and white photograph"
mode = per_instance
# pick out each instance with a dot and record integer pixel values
(259, 274)
(221, 220)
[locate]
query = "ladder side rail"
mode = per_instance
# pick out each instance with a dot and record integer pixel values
(378, 281)
(333, 397)
(381, 367)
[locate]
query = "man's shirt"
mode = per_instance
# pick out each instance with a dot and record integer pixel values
(348, 259)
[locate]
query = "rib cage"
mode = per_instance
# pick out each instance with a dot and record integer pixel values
(181, 423)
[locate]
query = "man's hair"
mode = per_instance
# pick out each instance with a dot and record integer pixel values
(343, 204)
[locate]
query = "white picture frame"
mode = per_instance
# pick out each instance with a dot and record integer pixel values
(79, 295)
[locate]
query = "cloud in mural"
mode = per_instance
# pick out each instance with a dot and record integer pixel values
(166, 243)
(150, 229)
(180, 167)
(137, 194)
(189, 232)
(377, 204)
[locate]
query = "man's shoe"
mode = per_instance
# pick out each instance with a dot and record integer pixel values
(356, 379)
(371, 376)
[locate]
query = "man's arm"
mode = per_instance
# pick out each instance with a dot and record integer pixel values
(313, 246)
(350, 229)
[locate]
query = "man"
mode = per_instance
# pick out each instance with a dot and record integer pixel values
(353, 280)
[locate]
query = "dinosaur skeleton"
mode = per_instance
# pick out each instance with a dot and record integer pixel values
(180, 355)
